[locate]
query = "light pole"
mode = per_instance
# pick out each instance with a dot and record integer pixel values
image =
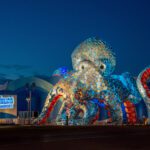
(28, 99)
(30, 88)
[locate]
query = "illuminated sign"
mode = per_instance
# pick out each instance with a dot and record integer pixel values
(7, 102)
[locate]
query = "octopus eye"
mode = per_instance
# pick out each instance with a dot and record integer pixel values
(102, 66)
(82, 67)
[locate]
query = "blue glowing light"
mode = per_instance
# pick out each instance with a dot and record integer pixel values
(6, 102)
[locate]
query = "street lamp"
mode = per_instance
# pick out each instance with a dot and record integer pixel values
(29, 98)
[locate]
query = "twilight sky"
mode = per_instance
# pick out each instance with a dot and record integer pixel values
(38, 36)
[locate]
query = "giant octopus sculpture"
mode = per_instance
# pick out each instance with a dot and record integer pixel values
(74, 95)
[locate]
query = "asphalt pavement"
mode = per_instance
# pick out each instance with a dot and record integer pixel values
(75, 137)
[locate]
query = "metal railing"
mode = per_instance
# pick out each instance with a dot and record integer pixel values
(26, 117)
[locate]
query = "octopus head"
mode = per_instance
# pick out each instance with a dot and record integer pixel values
(93, 55)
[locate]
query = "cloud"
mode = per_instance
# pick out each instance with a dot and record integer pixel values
(15, 71)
